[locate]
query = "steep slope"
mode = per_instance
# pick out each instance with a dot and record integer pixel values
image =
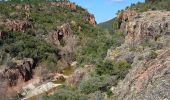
(39, 40)
(146, 47)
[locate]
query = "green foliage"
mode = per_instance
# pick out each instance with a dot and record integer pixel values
(151, 5)
(153, 55)
(92, 84)
(118, 69)
(95, 48)
(21, 45)
(66, 94)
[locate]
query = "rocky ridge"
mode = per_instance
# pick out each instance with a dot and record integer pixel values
(146, 47)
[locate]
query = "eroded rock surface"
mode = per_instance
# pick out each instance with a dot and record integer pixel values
(16, 25)
(147, 80)
(66, 42)
(20, 70)
(147, 48)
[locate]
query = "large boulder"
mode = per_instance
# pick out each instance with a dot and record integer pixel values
(45, 88)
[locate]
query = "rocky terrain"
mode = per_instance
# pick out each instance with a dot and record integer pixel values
(147, 48)
(56, 51)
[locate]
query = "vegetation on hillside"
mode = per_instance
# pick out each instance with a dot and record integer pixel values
(93, 43)
(139, 7)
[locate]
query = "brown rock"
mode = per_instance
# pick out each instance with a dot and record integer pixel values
(62, 33)
(17, 25)
(72, 6)
(19, 70)
(147, 81)
(66, 42)
(148, 25)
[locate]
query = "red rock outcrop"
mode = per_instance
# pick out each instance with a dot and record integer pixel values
(20, 70)
(69, 5)
(147, 81)
(124, 17)
(60, 34)
(92, 20)
(148, 25)
(17, 25)
(66, 42)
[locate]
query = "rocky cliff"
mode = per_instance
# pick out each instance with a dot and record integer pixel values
(146, 47)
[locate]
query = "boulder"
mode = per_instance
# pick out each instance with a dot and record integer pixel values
(44, 88)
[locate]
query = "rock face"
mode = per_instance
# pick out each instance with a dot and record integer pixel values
(124, 17)
(147, 81)
(149, 30)
(147, 48)
(17, 25)
(149, 25)
(60, 34)
(19, 70)
(91, 20)
(69, 5)
(64, 39)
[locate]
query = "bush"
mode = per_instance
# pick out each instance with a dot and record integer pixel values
(92, 84)
(98, 95)
(119, 68)
(150, 55)
(66, 94)
(21, 45)
(95, 48)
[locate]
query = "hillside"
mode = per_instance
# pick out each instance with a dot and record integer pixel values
(40, 39)
(53, 50)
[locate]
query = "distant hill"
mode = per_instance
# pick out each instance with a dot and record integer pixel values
(107, 25)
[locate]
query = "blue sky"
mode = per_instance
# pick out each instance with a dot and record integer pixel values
(104, 10)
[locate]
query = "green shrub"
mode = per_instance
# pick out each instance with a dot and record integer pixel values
(66, 94)
(119, 68)
(92, 84)
(95, 48)
(111, 68)
(153, 55)
(21, 45)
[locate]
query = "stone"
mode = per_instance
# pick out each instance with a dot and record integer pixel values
(19, 70)
(44, 88)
